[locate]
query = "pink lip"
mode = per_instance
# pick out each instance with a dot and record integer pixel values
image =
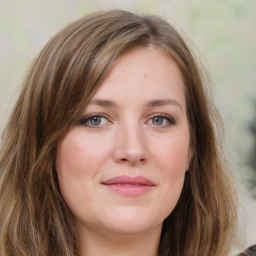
(129, 186)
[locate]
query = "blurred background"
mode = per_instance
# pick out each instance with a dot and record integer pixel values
(221, 32)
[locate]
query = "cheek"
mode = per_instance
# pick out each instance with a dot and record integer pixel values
(173, 168)
(78, 157)
(172, 155)
(77, 164)
(172, 163)
(74, 164)
(70, 166)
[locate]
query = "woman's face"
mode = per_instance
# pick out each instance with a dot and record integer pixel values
(121, 168)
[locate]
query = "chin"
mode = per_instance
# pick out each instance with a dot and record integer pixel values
(132, 221)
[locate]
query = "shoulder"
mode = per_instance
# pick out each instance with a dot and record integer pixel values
(251, 251)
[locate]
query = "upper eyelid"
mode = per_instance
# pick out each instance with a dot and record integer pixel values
(86, 117)
(161, 115)
(158, 114)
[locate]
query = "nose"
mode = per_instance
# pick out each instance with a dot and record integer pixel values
(130, 146)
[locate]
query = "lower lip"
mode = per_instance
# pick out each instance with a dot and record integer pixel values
(129, 189)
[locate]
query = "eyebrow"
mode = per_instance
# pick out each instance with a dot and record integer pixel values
(103, 103)
(152, 103)
(163, 102)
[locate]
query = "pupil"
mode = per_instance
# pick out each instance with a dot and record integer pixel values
(158, 120)
(95, 120)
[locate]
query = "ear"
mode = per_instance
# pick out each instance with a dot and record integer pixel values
(189, 157)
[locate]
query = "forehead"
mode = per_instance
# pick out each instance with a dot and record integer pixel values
(143, 74)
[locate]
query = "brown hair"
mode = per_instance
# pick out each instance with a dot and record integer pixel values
(34, 219)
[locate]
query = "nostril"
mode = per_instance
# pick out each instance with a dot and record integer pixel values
(133, 161)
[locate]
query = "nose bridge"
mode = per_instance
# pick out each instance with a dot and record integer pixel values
(131, 143)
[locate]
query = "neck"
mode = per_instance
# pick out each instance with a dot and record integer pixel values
(138, 244)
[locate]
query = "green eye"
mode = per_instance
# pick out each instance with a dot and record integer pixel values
(96, 120)
(157, 120)
(162, 120)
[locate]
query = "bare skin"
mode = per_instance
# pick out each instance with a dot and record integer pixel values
(136, 128)
(120, 245)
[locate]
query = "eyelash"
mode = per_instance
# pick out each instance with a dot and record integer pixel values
(85, 119)
(168, 118)
(89, 117)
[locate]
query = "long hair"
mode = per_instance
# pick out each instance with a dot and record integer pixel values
(34, 218)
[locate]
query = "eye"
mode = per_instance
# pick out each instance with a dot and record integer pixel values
(94, 120)
(161, 120)
(158, 120)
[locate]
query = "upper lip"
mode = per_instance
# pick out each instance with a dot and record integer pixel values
(138, 180)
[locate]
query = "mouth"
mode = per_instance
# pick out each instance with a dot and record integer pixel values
(129, 186)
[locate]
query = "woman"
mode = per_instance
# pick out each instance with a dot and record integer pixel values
(111, 148)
